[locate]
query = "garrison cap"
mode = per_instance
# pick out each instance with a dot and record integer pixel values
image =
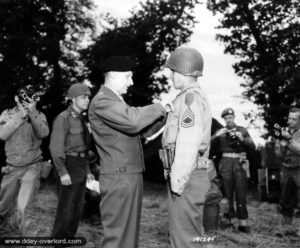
(78, 89)
(118, 63)
(227, 111)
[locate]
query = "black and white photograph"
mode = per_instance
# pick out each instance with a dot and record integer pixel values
(150, 123)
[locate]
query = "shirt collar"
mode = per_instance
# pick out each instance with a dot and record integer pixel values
(73, 112)
(191, 85)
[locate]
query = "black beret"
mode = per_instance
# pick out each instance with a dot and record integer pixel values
(227, 111)
(118, 63)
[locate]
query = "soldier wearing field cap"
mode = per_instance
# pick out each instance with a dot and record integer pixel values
(69, 146)
(234, 141)
(117, 128)
(186, 144)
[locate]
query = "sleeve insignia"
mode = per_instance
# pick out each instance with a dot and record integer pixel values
(189, 99)
(188, 118)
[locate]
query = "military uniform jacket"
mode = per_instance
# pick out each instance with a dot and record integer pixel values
(23, 136)
(68, 136)
(116, 127)
(226, 144)
(188, 128)
(291, 153)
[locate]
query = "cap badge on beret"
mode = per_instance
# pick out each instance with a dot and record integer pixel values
(227, 111)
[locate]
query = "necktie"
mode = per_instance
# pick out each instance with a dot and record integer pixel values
(83, 118)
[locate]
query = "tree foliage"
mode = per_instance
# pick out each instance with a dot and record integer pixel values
(153, 29)
(264, 35)
(39, 45)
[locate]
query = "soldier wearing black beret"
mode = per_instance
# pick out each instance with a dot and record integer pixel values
(233, 141)
(117, 128)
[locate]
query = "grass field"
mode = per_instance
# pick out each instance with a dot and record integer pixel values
(266, 228)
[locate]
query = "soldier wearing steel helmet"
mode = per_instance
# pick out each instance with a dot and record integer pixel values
(233, 142)
(186, 143)
(69, 145)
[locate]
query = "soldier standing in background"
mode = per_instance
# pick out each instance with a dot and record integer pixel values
(186, 143)
(289, 151)
(116, 128)
(233, 142)
(22, 128)
(69, 145)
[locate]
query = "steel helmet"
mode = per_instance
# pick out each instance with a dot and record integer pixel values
(187, 61)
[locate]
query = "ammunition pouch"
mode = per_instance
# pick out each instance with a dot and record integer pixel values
(167, 156)
(202, 162)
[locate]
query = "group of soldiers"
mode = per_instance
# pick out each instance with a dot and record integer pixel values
(116, 129)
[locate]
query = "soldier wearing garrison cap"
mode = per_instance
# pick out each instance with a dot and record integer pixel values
(234, 141)
(117, 128)
(186, 144)
(69, 145)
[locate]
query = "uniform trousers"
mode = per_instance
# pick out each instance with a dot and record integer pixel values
(121, 204)
(69, 209)
(20, 182)
(70, 199)
(186, 211)
(234, 180)
(290, 190)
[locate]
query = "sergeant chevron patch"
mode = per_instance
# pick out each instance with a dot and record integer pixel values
(188, 118)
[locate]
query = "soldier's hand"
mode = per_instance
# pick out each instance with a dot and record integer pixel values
(90, 177)
(285, 134)
(166, 174)
(240, 136)
(221, 132)
(169, 107)
(66, 180)
(30, 106)
(23, 111)
(5, 170)
(283, 143)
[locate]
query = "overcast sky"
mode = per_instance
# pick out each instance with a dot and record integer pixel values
(220, 83)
